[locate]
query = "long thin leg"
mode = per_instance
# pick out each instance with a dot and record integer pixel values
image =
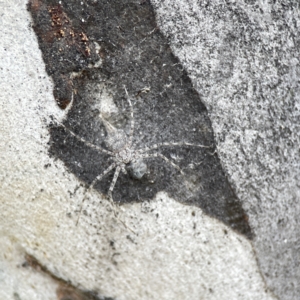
(113, 165)
(156, 146)
(85, 141)
(164, 158)
(111, 188)
(112, 185)
(132, 119)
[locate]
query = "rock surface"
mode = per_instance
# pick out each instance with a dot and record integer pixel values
(243, 59)
(156, 248)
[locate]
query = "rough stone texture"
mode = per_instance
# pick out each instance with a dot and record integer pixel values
(175, 252)
(17, 281)
(243, 58)
(127, 49)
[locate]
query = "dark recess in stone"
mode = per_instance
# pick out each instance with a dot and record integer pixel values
(65, 290)
(133, 52)
(64, 44)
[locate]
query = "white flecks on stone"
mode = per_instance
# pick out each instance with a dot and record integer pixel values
(243, 61)
(174, 251)
(18, 281)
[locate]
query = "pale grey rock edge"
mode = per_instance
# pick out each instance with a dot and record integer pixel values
(243, 58)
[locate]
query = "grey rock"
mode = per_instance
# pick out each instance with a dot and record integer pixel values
(243, 58)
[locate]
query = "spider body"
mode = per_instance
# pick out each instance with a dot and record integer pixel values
(125, 156)
(123, 153)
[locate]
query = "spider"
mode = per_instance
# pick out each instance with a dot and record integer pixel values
(123, 152)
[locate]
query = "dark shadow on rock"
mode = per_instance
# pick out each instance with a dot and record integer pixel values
(102, 46)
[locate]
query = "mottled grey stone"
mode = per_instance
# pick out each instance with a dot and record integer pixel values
(98, 48)
(243, 58)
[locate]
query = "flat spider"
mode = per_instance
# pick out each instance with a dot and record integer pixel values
(123, 153)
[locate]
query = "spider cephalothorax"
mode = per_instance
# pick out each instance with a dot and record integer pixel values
(125, 155)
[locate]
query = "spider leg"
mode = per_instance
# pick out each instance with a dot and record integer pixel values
(85, 141)
(113, 165)
(111, 188)
(123, 169)
(156, 146)
(112, 185)
(164, 158)
(132, 119)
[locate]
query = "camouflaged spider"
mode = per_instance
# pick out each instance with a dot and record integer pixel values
(123, 153)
